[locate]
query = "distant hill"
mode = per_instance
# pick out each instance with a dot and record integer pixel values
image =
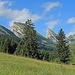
(14, 65)
(5, 31)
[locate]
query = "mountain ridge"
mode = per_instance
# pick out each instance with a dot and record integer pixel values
(6, 31)
(17, 29)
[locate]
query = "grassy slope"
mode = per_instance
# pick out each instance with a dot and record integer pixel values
(13, 65)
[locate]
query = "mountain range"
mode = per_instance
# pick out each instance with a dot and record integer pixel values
(46, 43)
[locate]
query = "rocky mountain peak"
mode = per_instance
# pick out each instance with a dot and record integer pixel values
(17, 29)
(51, 35)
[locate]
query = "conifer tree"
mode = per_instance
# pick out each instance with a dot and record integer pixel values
(63, 48)
(28, 45)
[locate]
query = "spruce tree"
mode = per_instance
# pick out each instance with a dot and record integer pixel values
(63, 48)
(28, 45)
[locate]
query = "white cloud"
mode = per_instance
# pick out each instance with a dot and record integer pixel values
(5, 3)
(49, 5)
(72, 31)
(16, 15)
(1, 4)
(71, 20)
(52, 24)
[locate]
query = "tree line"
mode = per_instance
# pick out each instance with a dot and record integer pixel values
(8, 44)
(28, 46)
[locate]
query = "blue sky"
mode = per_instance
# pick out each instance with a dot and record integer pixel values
(53, 14)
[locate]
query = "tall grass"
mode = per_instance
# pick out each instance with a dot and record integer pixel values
(13, 65)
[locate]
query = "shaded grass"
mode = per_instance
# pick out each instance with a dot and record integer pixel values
(13, 65)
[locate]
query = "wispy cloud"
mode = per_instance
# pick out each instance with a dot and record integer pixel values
(16, 15)
(5, 3)
(71, 20)
(72, 31)
(49, 5)
(52, 24)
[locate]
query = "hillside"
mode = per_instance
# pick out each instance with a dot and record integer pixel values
(5, 31)
(13, 65)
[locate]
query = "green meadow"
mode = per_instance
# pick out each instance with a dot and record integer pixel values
(15, 65)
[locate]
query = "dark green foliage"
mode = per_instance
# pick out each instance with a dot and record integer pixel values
(40, 54)
(63, 48)
(8, 44)
(29, 43)
(6, 48)
(47, 55)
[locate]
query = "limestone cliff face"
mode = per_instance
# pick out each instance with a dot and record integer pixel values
(17, 29)
(51, 35)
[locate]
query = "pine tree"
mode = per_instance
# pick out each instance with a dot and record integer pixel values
(63, 48)
(6, 46)
(28, 45)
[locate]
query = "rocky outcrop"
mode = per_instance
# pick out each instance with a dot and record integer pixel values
(17, 29)
(51, 35)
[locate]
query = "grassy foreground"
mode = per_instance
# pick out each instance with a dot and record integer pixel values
(13, 65)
